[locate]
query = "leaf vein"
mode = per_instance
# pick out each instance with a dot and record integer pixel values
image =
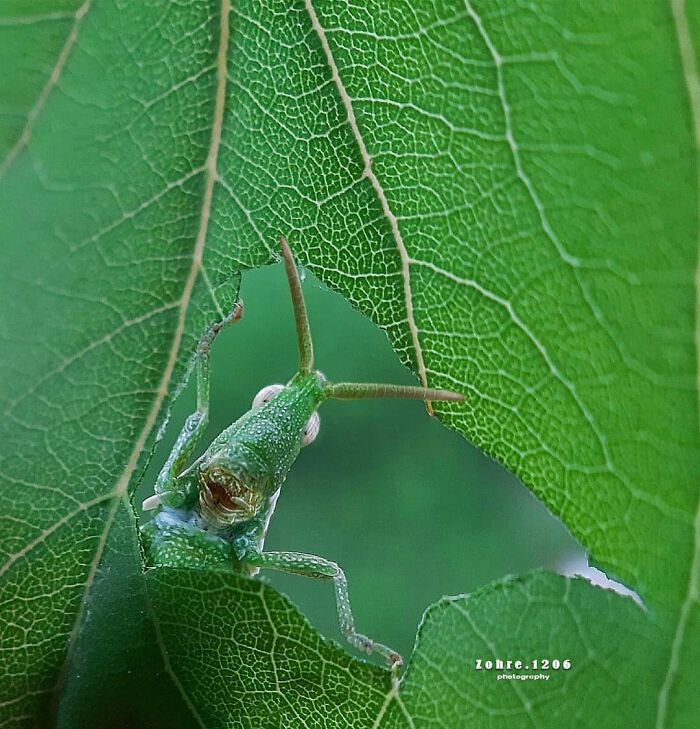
(381, 195)
(48, 87)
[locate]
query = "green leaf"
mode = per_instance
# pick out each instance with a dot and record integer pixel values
(610, 682)
(510, 191)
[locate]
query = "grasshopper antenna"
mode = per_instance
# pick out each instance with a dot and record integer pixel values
(301, 318)
(363, 390)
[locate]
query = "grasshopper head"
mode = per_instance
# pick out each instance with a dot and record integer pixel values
(234, 485)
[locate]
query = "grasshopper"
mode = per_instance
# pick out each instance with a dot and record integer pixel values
(215, 513)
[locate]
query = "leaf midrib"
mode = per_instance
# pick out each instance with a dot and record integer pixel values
(120, 492)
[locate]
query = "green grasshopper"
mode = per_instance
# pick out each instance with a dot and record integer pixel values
(215, 513)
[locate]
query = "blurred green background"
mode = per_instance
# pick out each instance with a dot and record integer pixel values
(408, 508)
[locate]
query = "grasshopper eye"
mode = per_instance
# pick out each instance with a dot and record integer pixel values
(313, 425)
(265, 395)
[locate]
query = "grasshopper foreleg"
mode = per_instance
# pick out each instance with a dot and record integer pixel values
(169, 489)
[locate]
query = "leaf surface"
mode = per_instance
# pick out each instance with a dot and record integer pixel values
(509, 191)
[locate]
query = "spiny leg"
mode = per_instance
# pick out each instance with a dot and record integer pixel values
(310, 565)
(168, 491)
